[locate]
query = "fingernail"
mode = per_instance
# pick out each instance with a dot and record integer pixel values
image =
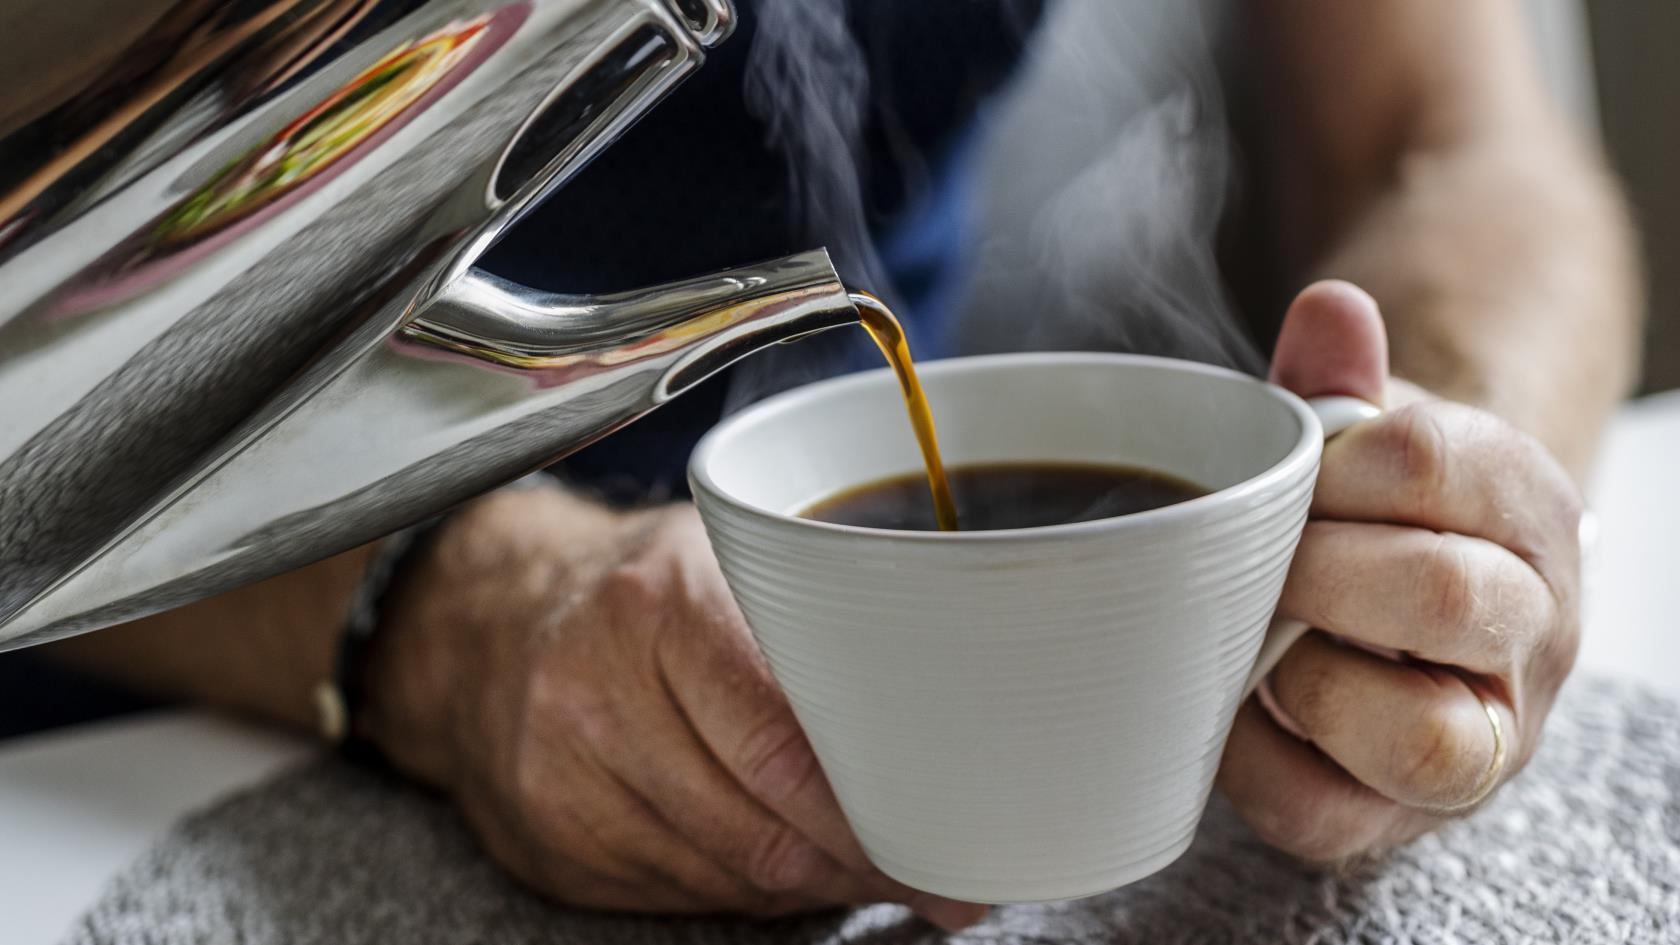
(948, 914)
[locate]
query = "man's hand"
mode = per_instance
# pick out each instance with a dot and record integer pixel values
(1440, 565)
(583, 686)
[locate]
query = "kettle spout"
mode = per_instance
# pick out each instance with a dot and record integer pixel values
(481, 382)
(688, 330)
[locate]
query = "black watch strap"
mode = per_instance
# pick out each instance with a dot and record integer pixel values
(339, 700)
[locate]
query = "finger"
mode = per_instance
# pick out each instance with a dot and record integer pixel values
(1413, 732)
(1297, 800)
(766, 849)
(573, 845)
(723, 686)
(721, 682)
(578, 885)
(1452, 468)
(687, 787)
(1332, 342)
(745, 854)
(856, 882)
(576, 798)
(633, 737)
(1444, 597)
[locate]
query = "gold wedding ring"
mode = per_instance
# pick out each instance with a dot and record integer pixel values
(1496, 767)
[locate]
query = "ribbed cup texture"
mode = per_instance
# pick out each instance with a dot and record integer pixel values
(1026, 717)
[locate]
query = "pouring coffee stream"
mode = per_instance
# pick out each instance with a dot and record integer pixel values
(882, 326)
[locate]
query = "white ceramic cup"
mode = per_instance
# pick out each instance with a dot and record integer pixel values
(1030, 714)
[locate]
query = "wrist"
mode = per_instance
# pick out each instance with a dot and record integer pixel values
(378, 672)
(441, 677)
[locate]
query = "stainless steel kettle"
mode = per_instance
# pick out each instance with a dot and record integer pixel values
(240, 327)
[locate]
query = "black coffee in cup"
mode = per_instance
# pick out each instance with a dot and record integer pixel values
(995, 496)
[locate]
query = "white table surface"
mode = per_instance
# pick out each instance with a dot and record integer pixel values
(78, 804)
(1631, 617)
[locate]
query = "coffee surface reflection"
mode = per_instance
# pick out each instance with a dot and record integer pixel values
(996, 496)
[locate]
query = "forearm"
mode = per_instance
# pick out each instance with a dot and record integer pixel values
(259, 650)
(265, 648)
(1419, 155)
(1506, 271)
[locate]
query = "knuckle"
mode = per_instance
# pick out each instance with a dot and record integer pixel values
(777, 762)
(631, 585)
(595, 724)
(1555, 500)
(569, 706)
(1447, 589)
(1559, 651)
(638, 598)
(780, 860)
(1418, 441)
(493, 509)
(1305, 688)
(1429, 757)
(1570, 504)
(473, 539)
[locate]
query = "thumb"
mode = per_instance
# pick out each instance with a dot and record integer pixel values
(1332, 342)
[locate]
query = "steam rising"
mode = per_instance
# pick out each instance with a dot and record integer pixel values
(1103, 172)
(1106, 172)
(807, 80)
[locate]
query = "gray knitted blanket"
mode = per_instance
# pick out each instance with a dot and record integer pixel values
(1583, 848)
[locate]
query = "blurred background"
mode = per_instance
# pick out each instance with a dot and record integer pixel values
(1612, 62)
(1637, 78)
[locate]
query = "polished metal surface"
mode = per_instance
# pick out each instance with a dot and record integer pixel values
(239, 325)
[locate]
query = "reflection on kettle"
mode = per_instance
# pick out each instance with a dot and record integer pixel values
(239, 325)
(294, 161)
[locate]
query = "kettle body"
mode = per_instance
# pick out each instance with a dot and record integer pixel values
(240, 327)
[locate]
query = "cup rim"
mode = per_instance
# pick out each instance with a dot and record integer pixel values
(1306, 446)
